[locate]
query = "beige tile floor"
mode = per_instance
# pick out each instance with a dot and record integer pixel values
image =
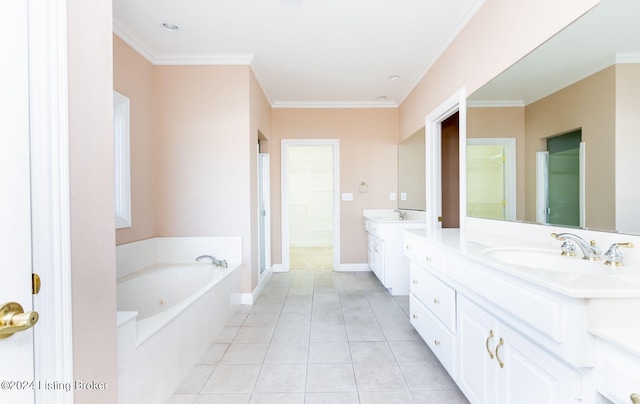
(320, 337)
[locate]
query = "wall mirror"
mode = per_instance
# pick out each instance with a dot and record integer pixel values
(411, 172)
(575, 98)
(121, 107)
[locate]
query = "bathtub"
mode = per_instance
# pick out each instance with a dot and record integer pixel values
(168, 315)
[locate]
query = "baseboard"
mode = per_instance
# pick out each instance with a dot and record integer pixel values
(353, 268)
(250, 298)
(279, 268)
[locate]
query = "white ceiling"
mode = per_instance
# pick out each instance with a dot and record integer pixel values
(303, 52)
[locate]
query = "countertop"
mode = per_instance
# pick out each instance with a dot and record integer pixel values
(601, 282)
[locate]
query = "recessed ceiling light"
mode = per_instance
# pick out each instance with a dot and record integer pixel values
(382, 98)
(170, 27)
(394, 77)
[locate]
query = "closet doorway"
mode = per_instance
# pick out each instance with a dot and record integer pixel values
(310, 205)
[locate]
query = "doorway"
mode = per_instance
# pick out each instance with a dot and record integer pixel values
(561, 180)
(491, 171)
(310, 210)
(446, 163)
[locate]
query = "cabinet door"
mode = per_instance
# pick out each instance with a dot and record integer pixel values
(477, 339)
(530, 375)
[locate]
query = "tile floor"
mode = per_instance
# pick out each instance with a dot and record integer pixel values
(311, 258)
(320, 337)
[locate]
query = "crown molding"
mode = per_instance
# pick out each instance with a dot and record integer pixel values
(627, 58)
(447, 40)
(146, 52)
(334, 104)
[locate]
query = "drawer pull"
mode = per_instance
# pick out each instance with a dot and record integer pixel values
(407, 247)
(635, 398)
(486, 344)
(436, 300)
(415, 282)
(415, 316)
(500, 362)
(435, 341)
(427, 258)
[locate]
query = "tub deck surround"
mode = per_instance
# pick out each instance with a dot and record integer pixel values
(557, 329)
(170, 310)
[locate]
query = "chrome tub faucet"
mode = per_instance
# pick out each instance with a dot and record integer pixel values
(214, 261)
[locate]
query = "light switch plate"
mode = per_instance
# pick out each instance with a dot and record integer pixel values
(347, 196)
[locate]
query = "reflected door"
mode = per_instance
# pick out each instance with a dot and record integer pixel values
(486, 181)
(564, 179)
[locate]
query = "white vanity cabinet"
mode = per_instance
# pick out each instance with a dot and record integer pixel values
(498, 365)
(618, 373)
(385, 251)
(502, 340)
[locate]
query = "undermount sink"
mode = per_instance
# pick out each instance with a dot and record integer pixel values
(541, 258)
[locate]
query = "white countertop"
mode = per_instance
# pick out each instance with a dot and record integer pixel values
(600, 282)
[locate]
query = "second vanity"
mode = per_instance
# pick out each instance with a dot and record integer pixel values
(510, 332)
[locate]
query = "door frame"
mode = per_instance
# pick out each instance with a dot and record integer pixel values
(509, 144)
(49, 137)
(433, 124)
(285, 144)
(264, 192)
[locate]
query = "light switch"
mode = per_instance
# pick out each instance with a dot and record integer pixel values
(403, 196)
(347, 196)
(392, 196)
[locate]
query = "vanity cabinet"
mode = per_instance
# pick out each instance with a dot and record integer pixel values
(385, 255)
(498, 365)
(618, 374)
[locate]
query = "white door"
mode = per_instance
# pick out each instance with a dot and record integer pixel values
(16, 351)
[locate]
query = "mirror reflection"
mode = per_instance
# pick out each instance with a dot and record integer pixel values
(411, 172)
(573, 111)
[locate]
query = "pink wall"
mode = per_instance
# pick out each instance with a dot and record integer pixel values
(502, 32)
(93, 269)
(368, 152)
(133, 78)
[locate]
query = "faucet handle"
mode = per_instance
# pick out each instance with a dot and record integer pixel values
(568, 248)
(613, 256)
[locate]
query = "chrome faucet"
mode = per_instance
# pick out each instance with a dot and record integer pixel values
(403, 215)
(613, 256)
(214, 261)
(589, 250)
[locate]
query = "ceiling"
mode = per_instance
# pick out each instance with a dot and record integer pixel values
(607, 34)
(304, 53)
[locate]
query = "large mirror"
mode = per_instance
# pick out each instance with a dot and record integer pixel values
(411, 172)
(572, 109)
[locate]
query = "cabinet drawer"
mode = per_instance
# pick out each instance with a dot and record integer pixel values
(439, 339)
(422, 253)
(437, 296)
(622, 379)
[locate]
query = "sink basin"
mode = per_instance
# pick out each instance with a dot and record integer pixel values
(546, 259)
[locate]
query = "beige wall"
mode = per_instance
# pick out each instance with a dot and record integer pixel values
(368, 152)
(133, 78)
(501, 32)
(502, 123)
(627, 145)
(93, 274)
(590, 105)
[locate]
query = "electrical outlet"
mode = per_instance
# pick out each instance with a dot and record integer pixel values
(403, 196)
(392, 196)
